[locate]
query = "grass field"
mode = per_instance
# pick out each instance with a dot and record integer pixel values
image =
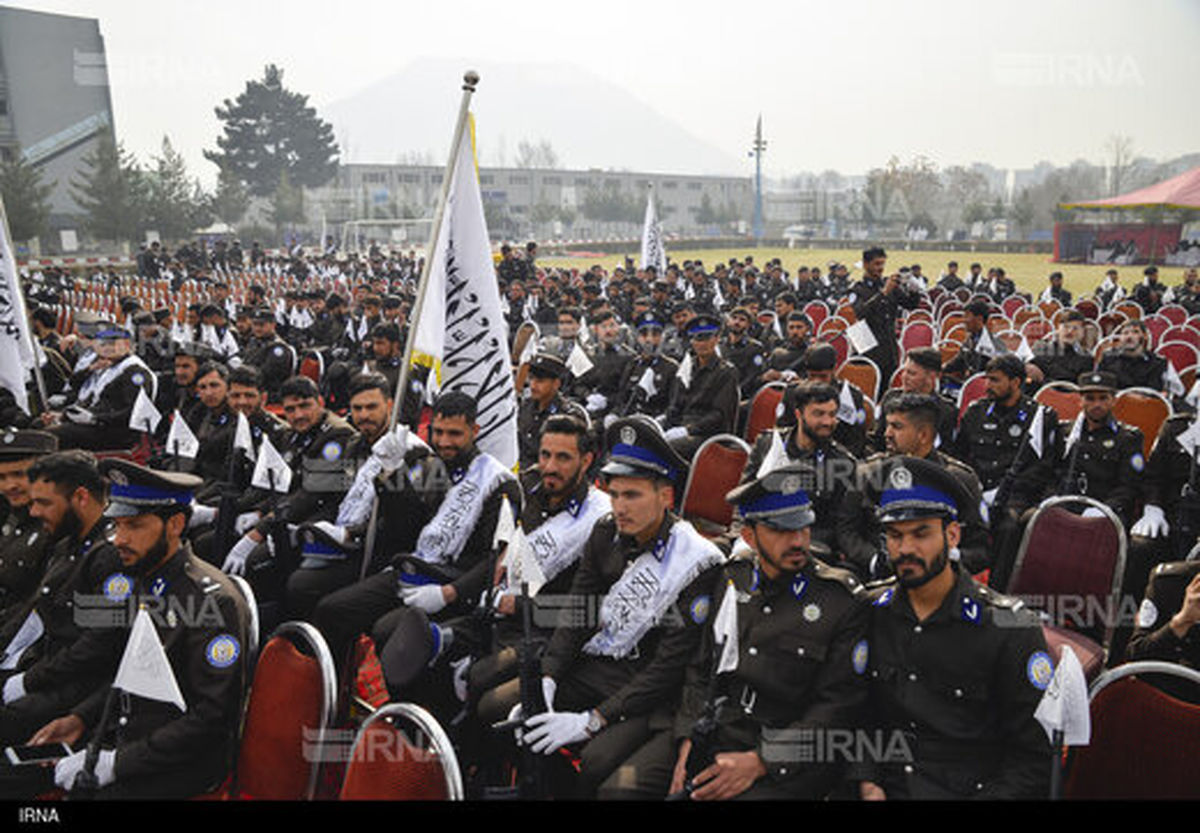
(1029, 271)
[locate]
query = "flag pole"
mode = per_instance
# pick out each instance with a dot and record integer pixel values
(470, 81)
(19, 308)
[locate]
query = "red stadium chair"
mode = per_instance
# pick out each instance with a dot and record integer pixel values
(841, 346)
(1193, 322)
(1181, 332)
(764, 409)
(918, 315)
(313, 366)
(1011, 339)
(951, 321)
(1188, 376)
(862, 373)
(1071, 567)
(1143, 741)
(846, 311)
(1013, 303)
(1089, 308)
(1180, 354)
(1156, 325)
(1049, 308)
(1036, 329)
(1145, 409)
(831, 325)
(716, 469)
(1173, 313)
(916, 334)
(949, 349)
(1102, 346)
(897, 377)
(291, 707)
(1023, 315)
(817, 311)
(959, 333)
(1063, 397)
(1110, 321)
(1131, 308)
(973, 388)
(401, 753)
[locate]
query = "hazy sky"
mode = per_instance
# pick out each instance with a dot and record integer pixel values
(840, 84)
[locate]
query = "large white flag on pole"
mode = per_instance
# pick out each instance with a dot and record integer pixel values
(461, 334)
(654, 253)
(16, 343)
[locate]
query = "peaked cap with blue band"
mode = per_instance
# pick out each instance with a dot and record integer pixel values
(637, 448)
(908, 488)
(137, 490)
(778, 499)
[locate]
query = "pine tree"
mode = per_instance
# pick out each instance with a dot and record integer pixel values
(25, 199)
(271, 131)
(112, 192)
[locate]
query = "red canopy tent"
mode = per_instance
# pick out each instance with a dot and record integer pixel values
(1151, 239)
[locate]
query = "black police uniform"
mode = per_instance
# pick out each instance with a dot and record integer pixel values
(530, 420)
(1144, 371)
(76, 567)
(881, 312)
(989, 438)
(634, 398)
(275, 359)
(1106, 463)
(947, 422)
(747, 355)
(960, 686)
(1153, 639)
(1061, 362)
(707, 405)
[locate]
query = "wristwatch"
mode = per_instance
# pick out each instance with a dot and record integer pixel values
(595, 723)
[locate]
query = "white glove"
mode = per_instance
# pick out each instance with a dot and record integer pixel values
(235, 562)
(333, 531)
(1152, 524)
(202, 515)
(989, 497)
(548, 731)
(426, 597)
(245, 522)
(1093, 512)
(68, 768)
(609, 419)
(14, 688)
(596, 402)
(676, 433)
(661, 419)
(80, 415)
(548, 689)
(391, 448)
(461, 667)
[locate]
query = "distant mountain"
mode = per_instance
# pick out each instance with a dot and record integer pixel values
(590, 122)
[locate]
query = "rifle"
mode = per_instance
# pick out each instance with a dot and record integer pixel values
(702, 755)
(1004, 490)
(532, 783)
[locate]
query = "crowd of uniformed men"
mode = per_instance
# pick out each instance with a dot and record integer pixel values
(716, 662)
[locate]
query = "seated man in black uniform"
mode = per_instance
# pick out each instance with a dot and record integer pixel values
(954, 667)
(611, 680)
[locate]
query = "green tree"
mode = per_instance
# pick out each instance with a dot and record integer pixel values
(271, 131)
(231, 200)
(706, 215)
(25, 199)
(610, 204)
(287, 204)
(1022, 212)
(176, 204)
(111, 192)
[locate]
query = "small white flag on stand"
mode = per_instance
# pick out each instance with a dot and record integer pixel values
(181, 442)
(522, 565)
(725, 630)
(684, 374)
(578, 362)
(1064, 705)
(144, 669)
(1036, 429)
(646, 383)
(270, 471)
(242, 438)
(775, 457)
(144, 416)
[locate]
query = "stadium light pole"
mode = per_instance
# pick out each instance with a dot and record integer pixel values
(760, 145)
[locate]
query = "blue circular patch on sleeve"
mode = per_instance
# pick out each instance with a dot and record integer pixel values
(332, 451)
(699, 609)
(859, 656)
(1138, 462)
(117, 587)
(1039, 670)
(885, 598)
(222, 651)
